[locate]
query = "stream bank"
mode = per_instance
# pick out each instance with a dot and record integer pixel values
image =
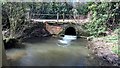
(104, 50)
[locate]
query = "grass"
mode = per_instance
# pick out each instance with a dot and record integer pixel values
(113, 39)
(116, 50)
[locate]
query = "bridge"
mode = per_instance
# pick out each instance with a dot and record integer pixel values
(72, 26)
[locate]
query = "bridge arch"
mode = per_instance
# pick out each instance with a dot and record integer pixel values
(70, 31)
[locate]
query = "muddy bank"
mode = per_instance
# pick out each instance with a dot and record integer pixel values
(103, 50)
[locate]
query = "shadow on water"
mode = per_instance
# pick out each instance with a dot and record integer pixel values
(48, 53)
(13, 43)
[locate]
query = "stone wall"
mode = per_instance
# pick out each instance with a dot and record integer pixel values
(53, 29)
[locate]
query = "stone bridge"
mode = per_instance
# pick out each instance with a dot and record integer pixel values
(64, 29)
(63, 26)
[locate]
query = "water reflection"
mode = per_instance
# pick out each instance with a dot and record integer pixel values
(66, 40)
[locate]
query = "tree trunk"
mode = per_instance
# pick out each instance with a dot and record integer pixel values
(3, 60)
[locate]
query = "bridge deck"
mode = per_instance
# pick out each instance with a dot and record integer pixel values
(60, 20)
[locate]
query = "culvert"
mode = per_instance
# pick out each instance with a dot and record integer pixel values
(70, 31)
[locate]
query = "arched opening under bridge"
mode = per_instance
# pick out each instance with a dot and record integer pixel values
(70, 31)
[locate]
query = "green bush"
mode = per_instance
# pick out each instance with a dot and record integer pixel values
(104, 16)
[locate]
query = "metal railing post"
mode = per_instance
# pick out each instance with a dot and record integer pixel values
(57, 17)
(63, 16)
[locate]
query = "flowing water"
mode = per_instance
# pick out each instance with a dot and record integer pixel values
(66, 51)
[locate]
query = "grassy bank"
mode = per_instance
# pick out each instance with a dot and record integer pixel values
(106, 47)
(114, 39)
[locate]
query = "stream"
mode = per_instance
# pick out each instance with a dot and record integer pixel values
(64, 51)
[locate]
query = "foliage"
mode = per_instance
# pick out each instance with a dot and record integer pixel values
(51, 8)
(111, 39)
(82, 9)
(104, 17)
(15, 14)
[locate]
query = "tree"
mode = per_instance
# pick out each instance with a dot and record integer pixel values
(16, 15)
